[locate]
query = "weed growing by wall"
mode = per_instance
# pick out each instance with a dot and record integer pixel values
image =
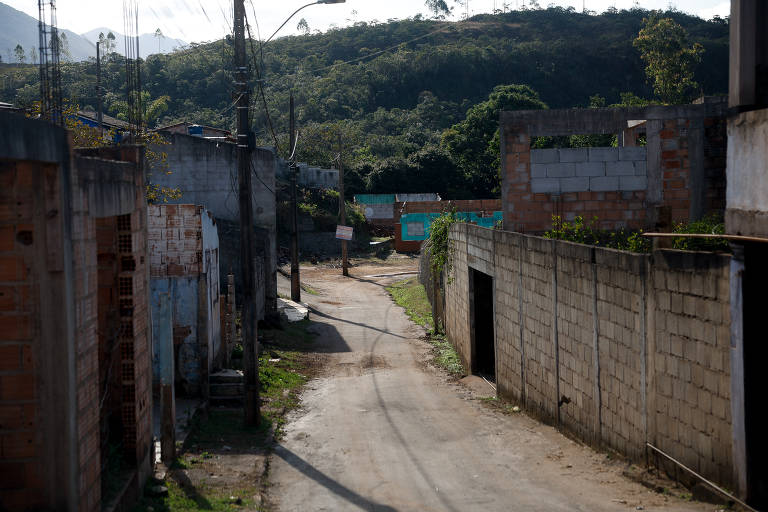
(589, 233)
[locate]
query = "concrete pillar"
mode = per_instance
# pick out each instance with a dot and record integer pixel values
(163, 336)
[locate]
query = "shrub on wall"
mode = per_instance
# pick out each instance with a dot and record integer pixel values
(588, 233)
(710, 225)
(437, 243)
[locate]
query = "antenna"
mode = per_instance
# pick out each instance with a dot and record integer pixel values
(132, 64)
(50, 68)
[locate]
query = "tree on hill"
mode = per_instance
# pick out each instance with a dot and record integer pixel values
(670, 59)
(439, 8)
(19, 52)
(474, 142)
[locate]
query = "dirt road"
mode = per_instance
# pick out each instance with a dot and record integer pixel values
(381, 431)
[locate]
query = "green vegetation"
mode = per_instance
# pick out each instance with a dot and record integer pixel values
(709, 225)
(590, 233)
(414, 100)
(283, 370)
(670, 59)
(410, 295)
(437, 244)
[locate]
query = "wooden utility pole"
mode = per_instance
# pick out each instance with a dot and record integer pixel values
(342, 212)
(100, 117)
(250, 340)
(293, 169)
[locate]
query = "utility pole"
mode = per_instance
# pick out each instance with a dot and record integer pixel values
(100, 117)
(293, 169)
(250, 341)
(342, 213)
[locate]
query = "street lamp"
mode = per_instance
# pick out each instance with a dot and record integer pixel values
(299, 9)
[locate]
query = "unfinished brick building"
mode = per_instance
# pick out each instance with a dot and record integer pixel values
(679, 175)
(74, 340)
(184, 264)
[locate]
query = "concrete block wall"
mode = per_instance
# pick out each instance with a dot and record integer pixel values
(556, 171)
(691, 407)
(457, 295)
(618, 348)
(620, 284)
(575, 283)
(537, 328)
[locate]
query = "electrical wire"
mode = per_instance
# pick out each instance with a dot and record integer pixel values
(260, 83)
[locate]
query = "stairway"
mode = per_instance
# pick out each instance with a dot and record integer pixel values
(227, 387)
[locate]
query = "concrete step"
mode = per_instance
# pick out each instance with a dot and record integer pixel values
(227, 389)
(226, 377)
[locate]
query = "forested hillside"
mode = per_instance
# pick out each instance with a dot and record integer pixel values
(394, 89)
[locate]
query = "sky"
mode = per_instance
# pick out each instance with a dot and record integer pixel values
(208, 20)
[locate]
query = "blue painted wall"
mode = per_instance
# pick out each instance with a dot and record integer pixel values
(424, 220)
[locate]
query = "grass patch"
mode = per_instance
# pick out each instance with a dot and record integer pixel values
(309, 289)
(410, 294)
(283, 369)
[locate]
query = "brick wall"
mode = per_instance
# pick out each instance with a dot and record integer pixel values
(615, 347)
(21, 446)
(678, 176)
(84, 246)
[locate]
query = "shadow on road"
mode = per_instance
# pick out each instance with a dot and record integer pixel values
(332, 485)
(337, 319)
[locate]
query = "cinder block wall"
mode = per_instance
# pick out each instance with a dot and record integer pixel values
(638, 345)
(556, 171)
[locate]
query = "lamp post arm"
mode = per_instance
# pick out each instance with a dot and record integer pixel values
(289, 19)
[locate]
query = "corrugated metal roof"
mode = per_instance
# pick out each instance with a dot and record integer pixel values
(375, 198)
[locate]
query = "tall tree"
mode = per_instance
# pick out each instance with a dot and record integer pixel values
(159, 36)
(303, 26)
(474, 142)
(670, 59)
(20, 56)
(439, 8)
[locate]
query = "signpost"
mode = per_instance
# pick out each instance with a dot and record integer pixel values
(344, 232)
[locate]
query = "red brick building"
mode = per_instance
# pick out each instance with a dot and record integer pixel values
(678, 175)
(75, 370)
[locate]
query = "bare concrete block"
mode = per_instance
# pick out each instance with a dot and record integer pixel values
(574, 155)
(603, 154)
(603, 184)
(545, 156)
(633, 182)
(619, 169)
(590, 169)
(561, 170)
(545, 186)
(633, 154)
(538, 171)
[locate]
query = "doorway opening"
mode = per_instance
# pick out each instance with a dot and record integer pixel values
(755, 283)
(482, 325)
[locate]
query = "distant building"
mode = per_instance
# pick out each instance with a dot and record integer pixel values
(196, 130)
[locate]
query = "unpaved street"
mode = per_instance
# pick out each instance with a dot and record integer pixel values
(382, 431)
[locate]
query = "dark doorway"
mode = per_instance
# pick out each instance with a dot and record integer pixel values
(755, 284)
(482, 321)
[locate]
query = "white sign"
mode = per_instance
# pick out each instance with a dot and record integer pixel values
(344, 232)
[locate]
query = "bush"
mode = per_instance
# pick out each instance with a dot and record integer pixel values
(710, 225)
(590, 234)
(437, 243)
